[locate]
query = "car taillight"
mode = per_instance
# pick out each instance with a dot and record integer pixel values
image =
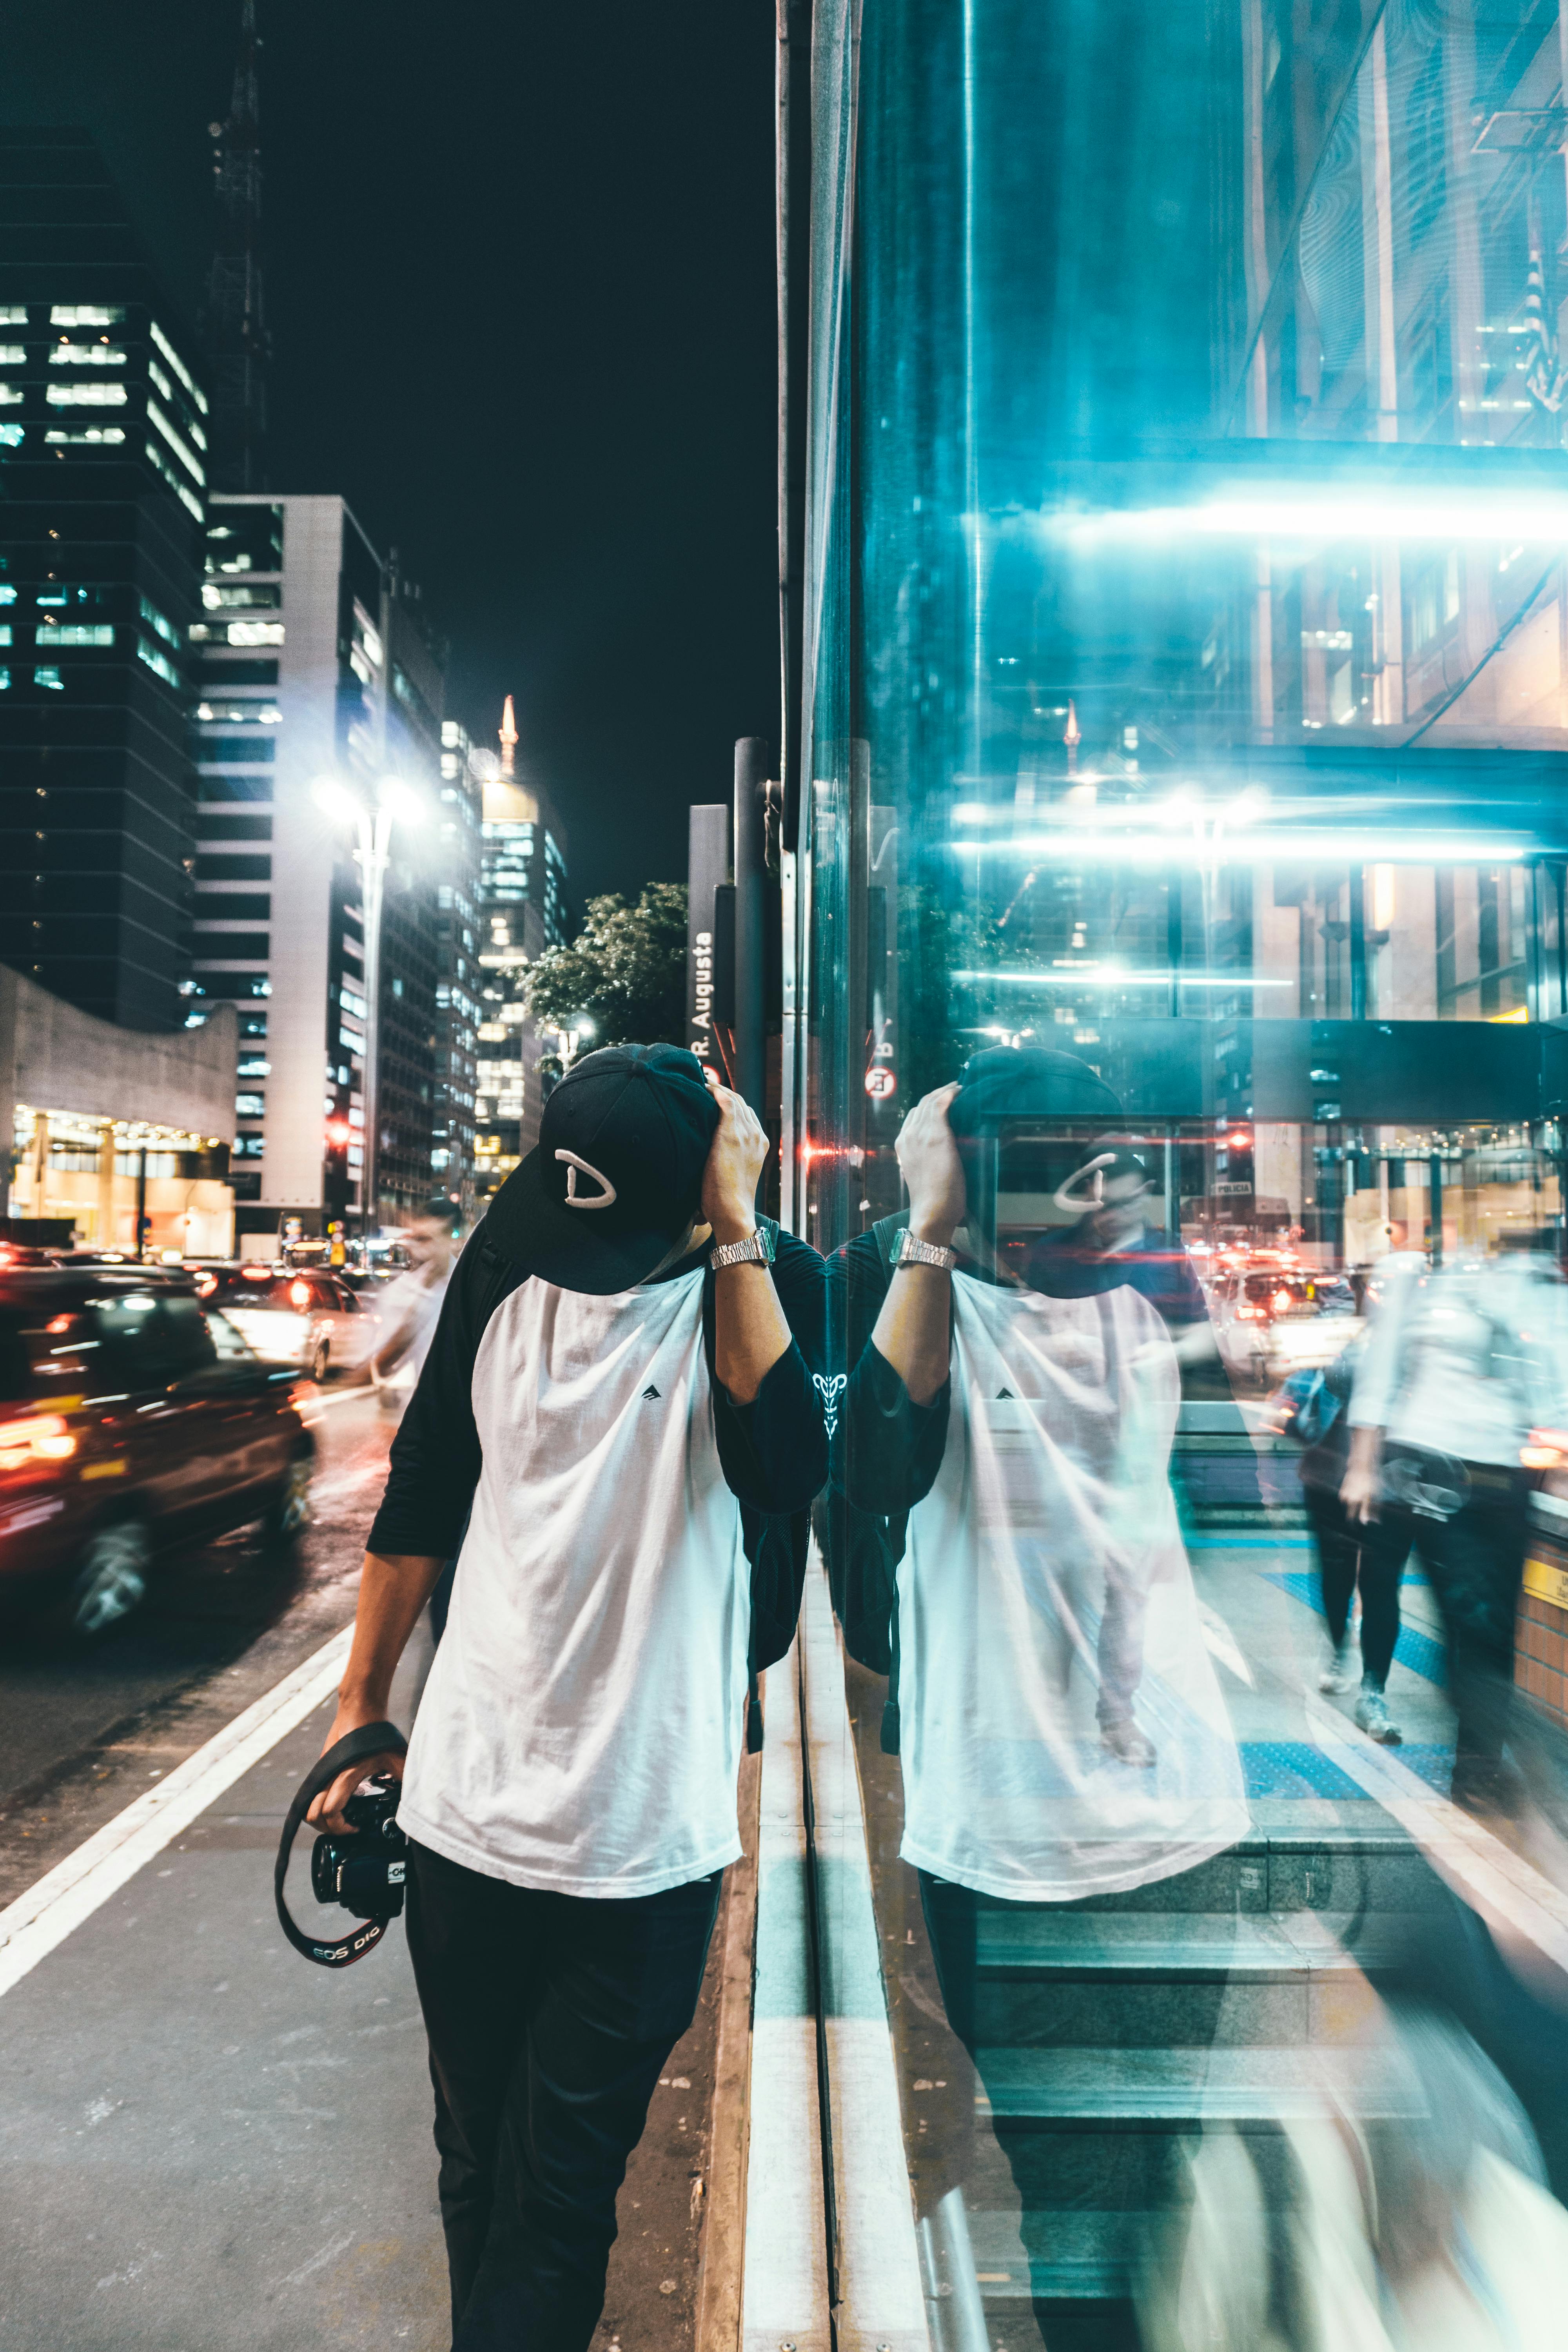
(299, 1295)
(1251, 1315)
(1544, 1449)
(42, 1437)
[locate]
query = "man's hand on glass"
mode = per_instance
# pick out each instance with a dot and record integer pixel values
(932, 1169)
(735, 1159)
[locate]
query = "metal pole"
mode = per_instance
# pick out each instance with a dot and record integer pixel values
(373, 836)
(751, 1049)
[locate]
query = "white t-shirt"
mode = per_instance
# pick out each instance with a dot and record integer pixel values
(1465, 1359)
(1044, 1589)
(582, 1728)
(414, 1304)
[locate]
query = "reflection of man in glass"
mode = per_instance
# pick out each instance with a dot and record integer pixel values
(1012, 1399)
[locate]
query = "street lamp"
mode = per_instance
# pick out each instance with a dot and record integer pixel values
(394, 802)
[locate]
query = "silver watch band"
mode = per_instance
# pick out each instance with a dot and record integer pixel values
(755, 1250)
(909, 1251)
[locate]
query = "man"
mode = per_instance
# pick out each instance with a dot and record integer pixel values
(1462, 1363)
(411, 1306)
(620, 1390)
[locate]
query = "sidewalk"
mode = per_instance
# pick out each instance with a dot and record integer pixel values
(210, 2145)
(208, 2142)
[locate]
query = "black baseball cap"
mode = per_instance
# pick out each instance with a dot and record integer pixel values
(617, 1175)
(1008, 1083)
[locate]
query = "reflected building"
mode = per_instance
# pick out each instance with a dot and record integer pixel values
(523, 909)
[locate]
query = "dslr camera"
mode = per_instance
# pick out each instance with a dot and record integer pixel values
(365, 1871)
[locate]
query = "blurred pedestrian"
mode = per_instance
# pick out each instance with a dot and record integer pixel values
(411, 1306)
(1462, 1363)
(1353, 1553)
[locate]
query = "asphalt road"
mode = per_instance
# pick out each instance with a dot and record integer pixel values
(222, 1622)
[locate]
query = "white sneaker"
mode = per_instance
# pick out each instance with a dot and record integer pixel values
(1372, 1715)
(1340, 1674)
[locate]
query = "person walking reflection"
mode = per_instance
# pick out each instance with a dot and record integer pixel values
(1061, 1726)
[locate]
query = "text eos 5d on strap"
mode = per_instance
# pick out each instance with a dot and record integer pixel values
(364, 1872)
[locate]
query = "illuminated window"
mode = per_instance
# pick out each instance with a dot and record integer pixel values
(86, 395)
(7, 594)
(91, 433)
(165, 628)
(254, 633)
(13, 314)
(51, 678)
(175, 440)
(255, 714)
(5, 681)
(160, 464)
(88, 314)
(259, 594)
(173, 356)
(13, 355)
(4, 633)
(66, 355)
(11, 435)
(73, 632)
(157, 663)
(11, 396)
(250, 1105)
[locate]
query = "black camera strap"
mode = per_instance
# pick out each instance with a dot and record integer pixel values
(357, 1748)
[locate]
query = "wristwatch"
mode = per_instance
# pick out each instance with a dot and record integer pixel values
(757, 1249)
(908, 1251)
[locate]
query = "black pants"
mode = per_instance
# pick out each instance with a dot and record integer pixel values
(549, 2018)
(1474, 1562)
(1372, 1554)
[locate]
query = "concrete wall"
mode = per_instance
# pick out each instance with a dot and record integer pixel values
(56, 1058)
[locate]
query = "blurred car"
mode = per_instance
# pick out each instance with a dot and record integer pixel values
(132, 1414)
(313, 1320)
(1274, 1319)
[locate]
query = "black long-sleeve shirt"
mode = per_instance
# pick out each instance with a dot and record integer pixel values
(773, 1451)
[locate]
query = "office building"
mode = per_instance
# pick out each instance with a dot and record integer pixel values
(103, 419)
(523, 908)
(458, 1011)
(313, 661)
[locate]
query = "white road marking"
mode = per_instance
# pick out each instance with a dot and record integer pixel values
(41, 1919)
(1477, 1866)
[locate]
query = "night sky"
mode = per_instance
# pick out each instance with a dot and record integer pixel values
(519, 279)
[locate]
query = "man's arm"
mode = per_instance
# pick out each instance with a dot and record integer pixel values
(392, 1590)
(749, 1333)
(913, 1331)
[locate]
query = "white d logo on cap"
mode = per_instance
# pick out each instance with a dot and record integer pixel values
(575, 1168)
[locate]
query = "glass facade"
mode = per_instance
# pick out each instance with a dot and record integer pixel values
(1182, 724)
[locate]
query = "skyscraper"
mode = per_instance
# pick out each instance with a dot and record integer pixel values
(103, 426)
(458, 1009)
(523, 909)
(314, 661)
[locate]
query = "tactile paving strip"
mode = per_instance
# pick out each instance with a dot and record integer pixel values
(1415, 1650)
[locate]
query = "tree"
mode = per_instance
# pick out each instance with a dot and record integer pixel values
(623, 978)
